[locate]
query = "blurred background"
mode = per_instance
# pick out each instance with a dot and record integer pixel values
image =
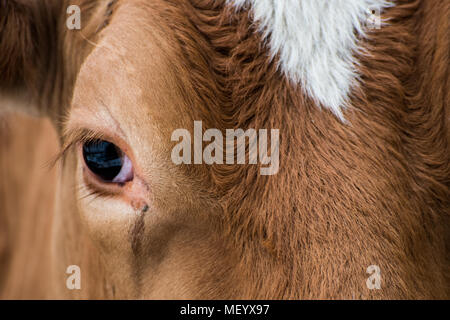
(27, 184)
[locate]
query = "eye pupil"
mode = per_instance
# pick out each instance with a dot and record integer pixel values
(103, 158)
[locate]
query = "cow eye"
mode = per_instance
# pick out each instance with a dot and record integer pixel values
(107, 161)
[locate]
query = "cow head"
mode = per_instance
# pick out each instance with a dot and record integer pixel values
(345, 196)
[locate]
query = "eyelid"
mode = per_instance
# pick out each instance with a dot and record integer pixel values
(72, 137)
(75, 135)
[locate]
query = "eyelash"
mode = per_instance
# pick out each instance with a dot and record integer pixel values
(79, 138)
(91, 192)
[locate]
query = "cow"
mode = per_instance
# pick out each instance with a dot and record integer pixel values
(358, 91)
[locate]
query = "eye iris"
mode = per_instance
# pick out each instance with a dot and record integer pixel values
(103, 158)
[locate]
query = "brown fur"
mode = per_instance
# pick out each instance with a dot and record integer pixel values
(373, 191)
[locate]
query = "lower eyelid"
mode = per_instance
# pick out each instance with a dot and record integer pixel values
(98, 187)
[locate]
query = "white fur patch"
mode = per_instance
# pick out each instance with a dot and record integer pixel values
(316, 41)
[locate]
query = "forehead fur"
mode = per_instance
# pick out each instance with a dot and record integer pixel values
(316, 41)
